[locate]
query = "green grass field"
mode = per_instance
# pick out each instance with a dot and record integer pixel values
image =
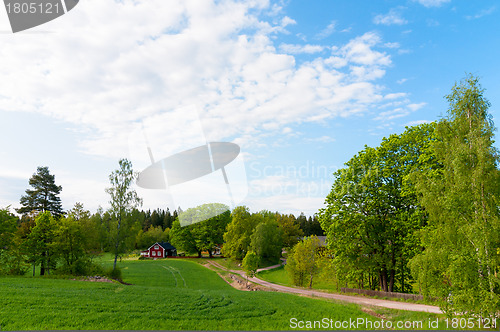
(165, 295)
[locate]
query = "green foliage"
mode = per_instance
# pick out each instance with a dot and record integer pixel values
(11, 257)
(151, 236)
(372, 212)
(38, 242)
(113, 273)
(207, 224)
(44, 195)
(310, 226)
(302, 264)
(182, 239)
(239, 230)
(267, 240)
(69, 244)
(123, 200)
(460, 259)
(8, 225)
(250, 263)
(290, 228)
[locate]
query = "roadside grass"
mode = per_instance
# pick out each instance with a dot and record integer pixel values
(164, 295)
(279, 276)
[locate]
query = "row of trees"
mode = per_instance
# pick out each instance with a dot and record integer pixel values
(35, 238)
(264, 233)
(423, 206)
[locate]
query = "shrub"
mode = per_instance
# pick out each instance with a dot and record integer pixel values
(115, 274)
(81, 267)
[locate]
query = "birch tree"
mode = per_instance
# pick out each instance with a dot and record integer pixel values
(123, 200)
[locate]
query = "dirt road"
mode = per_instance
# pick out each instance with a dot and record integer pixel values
(346, 298)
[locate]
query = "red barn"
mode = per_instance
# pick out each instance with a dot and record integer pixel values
(160, 250)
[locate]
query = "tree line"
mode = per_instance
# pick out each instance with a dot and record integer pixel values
(420, 212)
(67, 242)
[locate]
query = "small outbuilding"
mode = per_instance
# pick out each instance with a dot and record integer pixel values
(160, 250)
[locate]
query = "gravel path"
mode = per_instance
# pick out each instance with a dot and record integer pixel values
(346, 298)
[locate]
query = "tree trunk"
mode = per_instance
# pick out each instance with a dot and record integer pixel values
(210, 253)
(391, 281)
(311, 281)
(383, 281)
(42, 264)
(199, 253)
(402, 275)
(117, 242)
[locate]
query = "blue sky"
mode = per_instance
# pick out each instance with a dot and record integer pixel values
(301, 86)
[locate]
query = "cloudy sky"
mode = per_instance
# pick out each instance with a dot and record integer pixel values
(300, 86)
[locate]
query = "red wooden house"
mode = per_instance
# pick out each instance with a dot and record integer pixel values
(160, 250)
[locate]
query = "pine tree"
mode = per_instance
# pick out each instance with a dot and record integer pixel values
(44, 195)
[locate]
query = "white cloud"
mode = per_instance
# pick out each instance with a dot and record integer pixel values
(287, 21)
(416, 107)
(112, 67)
(394, 17)
(326, 32)
(322, 139)
(301, 49)
(482, 13)
(178, 55)
(416, 123)
(399, 112)
(432, 3)
(392, 45)
(288, 191)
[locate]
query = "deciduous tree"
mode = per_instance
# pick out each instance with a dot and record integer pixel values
(250, 264)
(123, 199)
(267, 240)
(239, 230)
(372, 213)
(460, 258)
(303, 261)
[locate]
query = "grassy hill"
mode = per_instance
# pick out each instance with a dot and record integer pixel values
(164, 295)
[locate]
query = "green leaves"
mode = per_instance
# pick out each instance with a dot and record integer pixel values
(123, 200)
(460, 259)
(372, 211)
(250, 263)
(303, 261)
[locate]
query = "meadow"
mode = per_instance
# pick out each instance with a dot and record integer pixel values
(164, 295)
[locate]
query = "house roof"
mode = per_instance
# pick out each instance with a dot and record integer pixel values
(164, 245)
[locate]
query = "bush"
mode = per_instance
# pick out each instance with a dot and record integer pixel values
(115, 274)
(81, 267)
(12, 263)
